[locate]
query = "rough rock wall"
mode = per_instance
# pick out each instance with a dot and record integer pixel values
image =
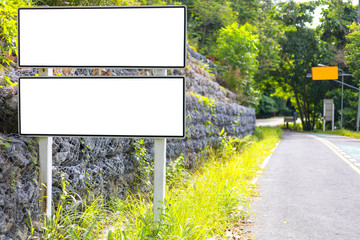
(108, 166)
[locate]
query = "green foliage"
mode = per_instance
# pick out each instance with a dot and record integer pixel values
(8, 82)
(301, 50)
(8, 30)
(270, 33)
(237, 49)
(237, 46)
(353, 51)
(5, 143)
(176, 171)
(145, 168)
(209, 16)
(74, 218)
(350, 107)
(224, 178)
(207, 102)
(270, 106)
(343, 132)
(336, 18)
(246, 10)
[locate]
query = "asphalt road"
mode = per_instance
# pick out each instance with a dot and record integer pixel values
(310, 189)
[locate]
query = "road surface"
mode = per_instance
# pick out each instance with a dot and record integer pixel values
(310, 189)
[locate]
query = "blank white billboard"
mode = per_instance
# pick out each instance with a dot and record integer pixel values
(109, 37)
(96, 106)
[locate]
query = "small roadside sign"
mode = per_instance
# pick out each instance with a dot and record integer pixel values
(325, 73)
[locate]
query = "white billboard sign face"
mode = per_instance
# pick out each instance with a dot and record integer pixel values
(111, 37)
(96, 106)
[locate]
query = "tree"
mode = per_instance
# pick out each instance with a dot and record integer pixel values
(301, 49)
(350, 106)
(8, 30)
(335, 21)
(353, 51)
(237, 48)
(211, 14)
(246, 11)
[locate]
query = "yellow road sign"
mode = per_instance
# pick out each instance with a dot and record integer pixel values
(325, 73)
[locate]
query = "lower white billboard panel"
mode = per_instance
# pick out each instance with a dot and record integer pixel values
(95, 106)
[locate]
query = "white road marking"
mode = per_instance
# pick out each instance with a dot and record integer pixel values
(327, 143)
(263, 165)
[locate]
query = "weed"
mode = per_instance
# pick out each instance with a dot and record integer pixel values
(342, 132)
(145, 167)
(199, 205)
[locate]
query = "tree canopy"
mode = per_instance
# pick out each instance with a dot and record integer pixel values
(263, 49)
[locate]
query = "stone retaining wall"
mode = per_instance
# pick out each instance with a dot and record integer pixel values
(107, 166)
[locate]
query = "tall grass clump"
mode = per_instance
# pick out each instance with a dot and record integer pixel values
(342, 132)
(200, 203)
(204, 204)
(75, 217)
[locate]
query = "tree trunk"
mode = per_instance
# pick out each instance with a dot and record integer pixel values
(298, 103)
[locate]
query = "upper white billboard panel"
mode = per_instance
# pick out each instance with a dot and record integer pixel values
(97, 106)
(108, 37)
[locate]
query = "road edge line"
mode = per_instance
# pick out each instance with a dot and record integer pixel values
(337, 153)
(264, 163)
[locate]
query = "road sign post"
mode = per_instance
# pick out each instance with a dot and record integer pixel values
(45, 159)
(159, 169)
(330, 73)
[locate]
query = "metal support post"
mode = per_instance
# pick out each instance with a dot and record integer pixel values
(324, 118)
(333, 117)
(342, 100)
(159, 169)
(159, 178)
(358, 115)
(45, 158)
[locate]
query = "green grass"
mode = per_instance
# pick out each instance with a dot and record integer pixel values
(299, 127)
(341, 132)
(200, 204)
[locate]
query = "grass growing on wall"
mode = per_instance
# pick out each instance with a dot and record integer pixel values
(199, 204)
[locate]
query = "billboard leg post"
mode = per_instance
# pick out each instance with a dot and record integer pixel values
(159, 178)
(45, 159)
(159, 169)
(45, 156)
